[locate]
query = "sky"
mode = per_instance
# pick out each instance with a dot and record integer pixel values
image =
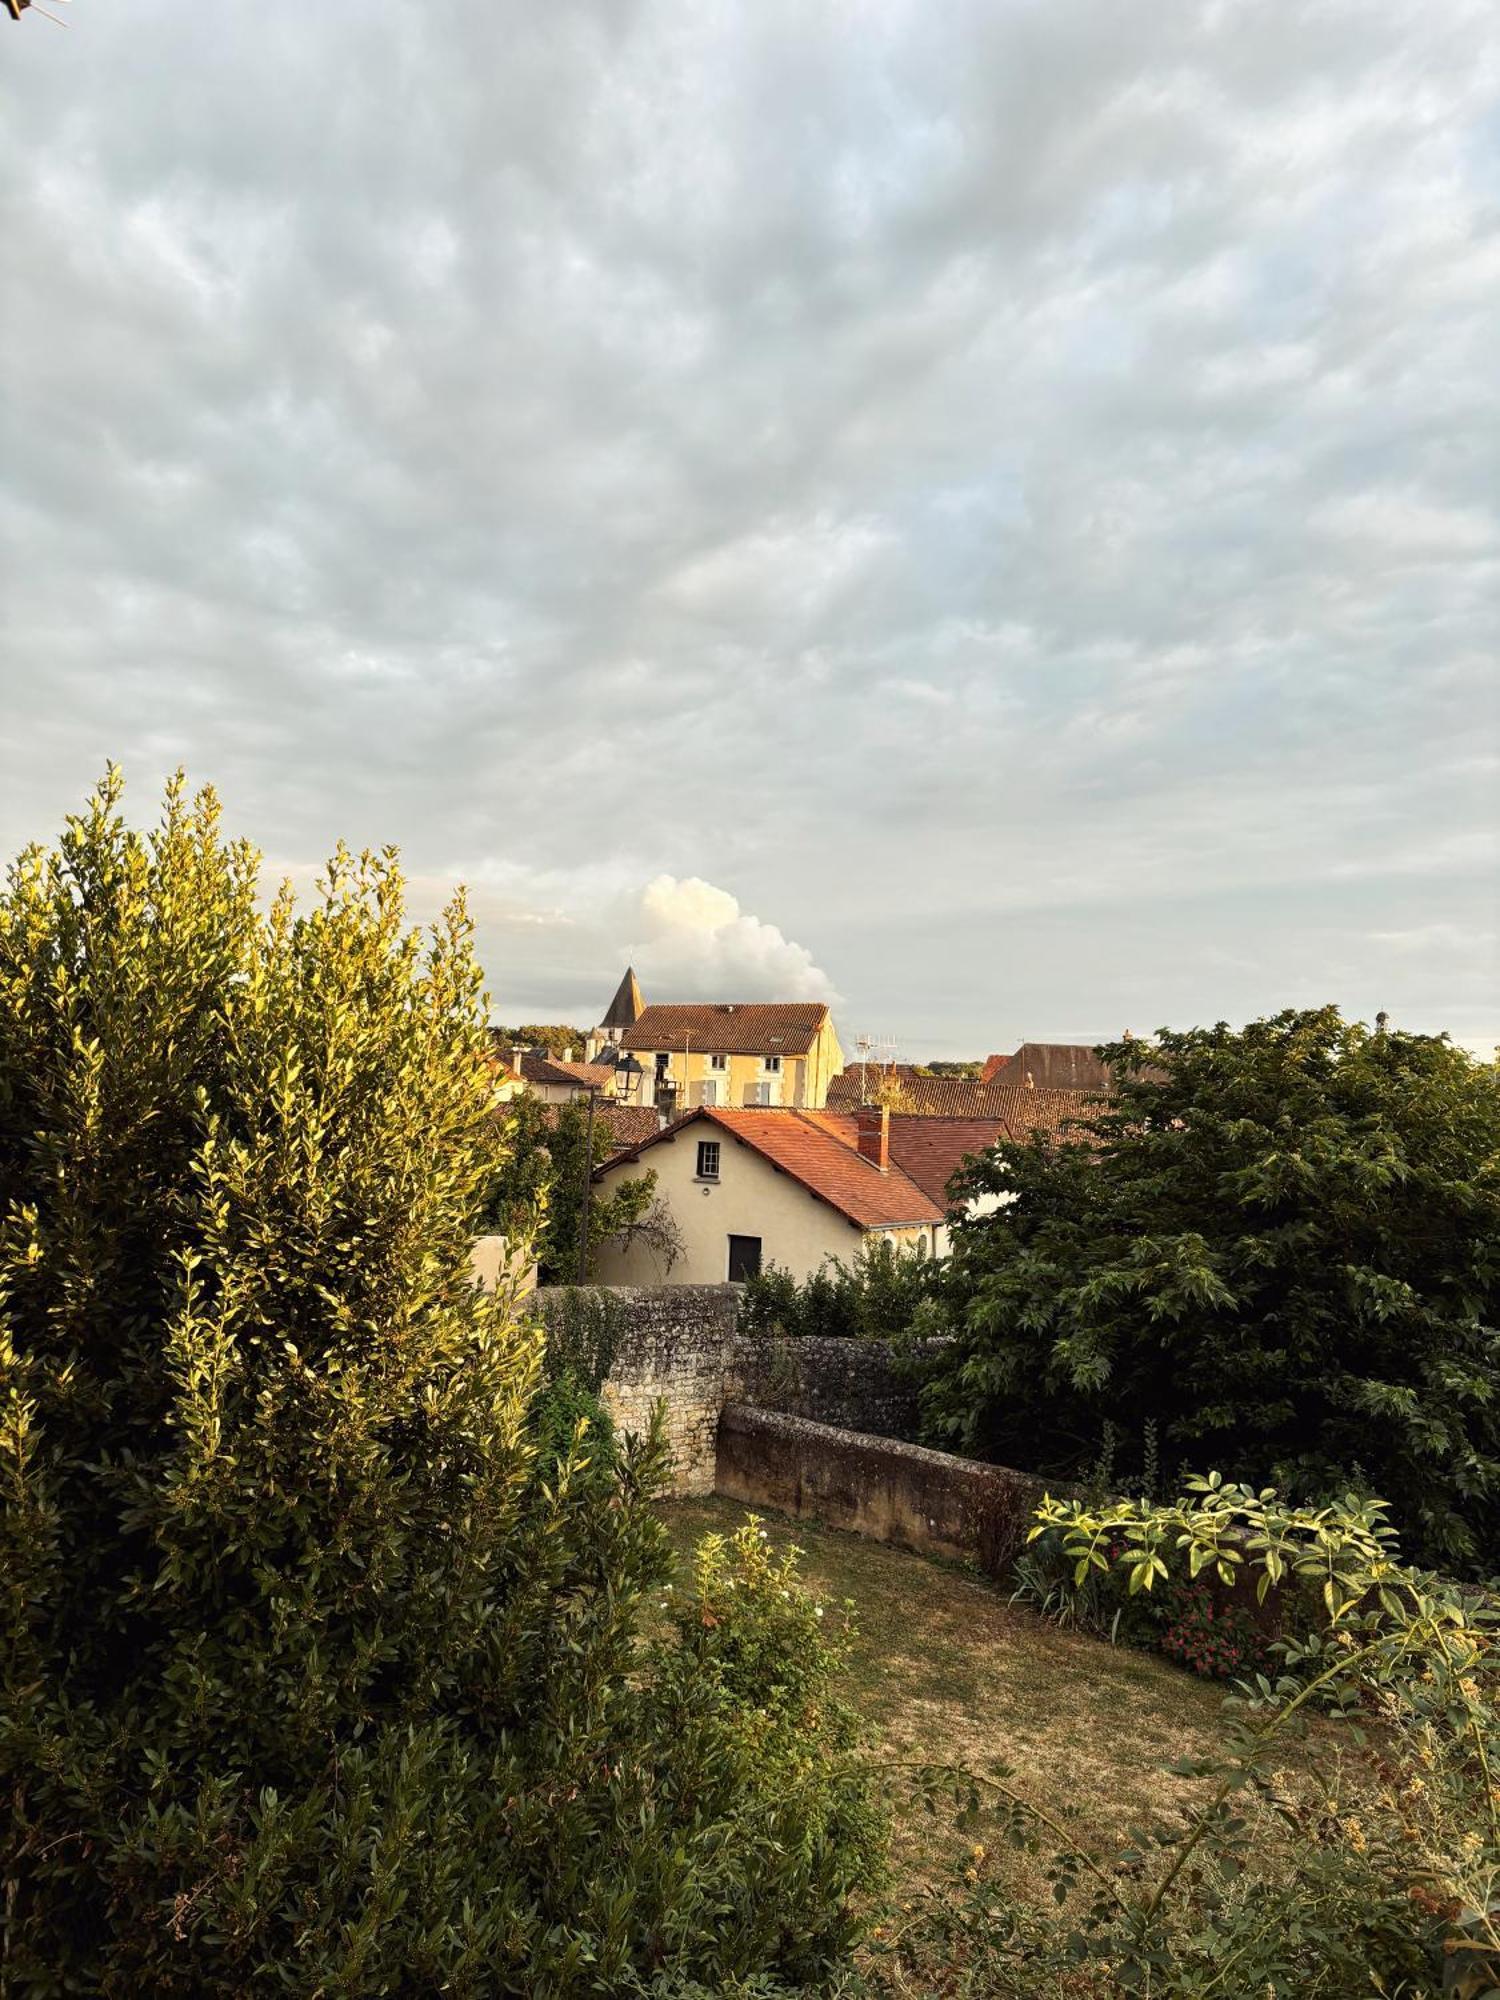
(984, 511)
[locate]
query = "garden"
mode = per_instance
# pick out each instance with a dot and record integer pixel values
(348, 1650)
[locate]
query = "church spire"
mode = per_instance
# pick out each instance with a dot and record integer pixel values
(627, 1006)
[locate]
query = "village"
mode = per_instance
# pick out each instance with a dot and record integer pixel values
(767, 1148)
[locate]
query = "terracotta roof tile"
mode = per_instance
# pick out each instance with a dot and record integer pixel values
(811, 1149)
(539, 1068)
(779, 1028)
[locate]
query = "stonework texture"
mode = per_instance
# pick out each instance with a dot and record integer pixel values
(679, 1346)
(875, 1486)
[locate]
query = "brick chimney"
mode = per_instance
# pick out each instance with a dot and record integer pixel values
(874, 1125)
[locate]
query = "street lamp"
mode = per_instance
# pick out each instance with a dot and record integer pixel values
(628, 1074)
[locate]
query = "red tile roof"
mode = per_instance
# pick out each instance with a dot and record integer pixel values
(929, 1096)
(537, 1067)
(629, 1125)
(780, 1028)
(812, 1149)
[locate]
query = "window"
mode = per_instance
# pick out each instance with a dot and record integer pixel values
(744, 1258)
(708, 1159)
(708, 1091)
(718, 1062)
(772, 1065)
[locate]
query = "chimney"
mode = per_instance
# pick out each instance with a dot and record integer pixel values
(874, 1125)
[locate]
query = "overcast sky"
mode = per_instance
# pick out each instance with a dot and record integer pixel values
(989, 512)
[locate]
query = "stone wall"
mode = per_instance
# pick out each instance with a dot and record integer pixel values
(857, 1384)
(678, 1344)
(875, 1486)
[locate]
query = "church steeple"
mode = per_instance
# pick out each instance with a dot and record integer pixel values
(627, 1006)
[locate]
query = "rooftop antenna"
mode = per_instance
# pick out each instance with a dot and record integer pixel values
(862, 1047)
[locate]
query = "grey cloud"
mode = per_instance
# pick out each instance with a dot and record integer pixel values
(923, 470)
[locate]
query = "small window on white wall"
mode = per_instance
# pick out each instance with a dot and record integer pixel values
(708, 1159)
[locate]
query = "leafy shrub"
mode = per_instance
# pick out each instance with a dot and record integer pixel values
(1219, 1640)
(312, 1683)
(887, 1292)
(759, 1658)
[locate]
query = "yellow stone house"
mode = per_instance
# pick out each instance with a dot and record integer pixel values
(731, 1054)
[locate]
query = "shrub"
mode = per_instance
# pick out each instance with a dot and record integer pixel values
(884, 1293)
(311, 1682)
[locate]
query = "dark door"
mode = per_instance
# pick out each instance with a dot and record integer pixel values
(744, 1258)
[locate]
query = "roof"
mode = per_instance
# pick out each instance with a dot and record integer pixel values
(1050, 1066)
(627, 1006)
(813, 1149)
(630, 1125)
(929, 1096)
(537, 1067)
(777, 1028)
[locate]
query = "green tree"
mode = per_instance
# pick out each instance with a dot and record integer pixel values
(310, 1681)
(539, 1188)
(556, 1038)
(1281, 1245)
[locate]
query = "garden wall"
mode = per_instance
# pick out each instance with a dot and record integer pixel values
(875, 1486)
(678, 1344)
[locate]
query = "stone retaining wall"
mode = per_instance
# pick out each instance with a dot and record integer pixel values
(875, 1486)
(678, 1346)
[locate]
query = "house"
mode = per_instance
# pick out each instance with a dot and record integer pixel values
(764, 1185)
(557, 1079)
(754, 1186)
(679, 1057)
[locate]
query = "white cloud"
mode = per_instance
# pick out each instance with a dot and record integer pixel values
(694, 942)
(1028, 467)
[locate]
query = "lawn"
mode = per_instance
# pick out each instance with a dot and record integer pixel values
(946, 1669)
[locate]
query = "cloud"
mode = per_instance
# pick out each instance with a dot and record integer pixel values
(1016, 478)
(696, 943)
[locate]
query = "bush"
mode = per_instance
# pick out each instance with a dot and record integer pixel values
(887, 1292)
(1281, 1244)
(312, 1683)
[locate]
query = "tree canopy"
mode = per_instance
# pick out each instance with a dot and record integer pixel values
(1279, 1246)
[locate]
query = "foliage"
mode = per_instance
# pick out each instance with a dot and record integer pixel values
(885, 1292)
(584, 1330)
(1282, 1244)
(1365, 1871)
(758, 1652)
(553, 1038)
(539, 1182)
(960, 1069)
(325, 1662)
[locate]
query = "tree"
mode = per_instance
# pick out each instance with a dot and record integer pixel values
(540, 1186)
(555, 1038)
(1280, 1245)
(312, 1681)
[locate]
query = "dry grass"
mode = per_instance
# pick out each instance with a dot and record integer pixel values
(946, 1670)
